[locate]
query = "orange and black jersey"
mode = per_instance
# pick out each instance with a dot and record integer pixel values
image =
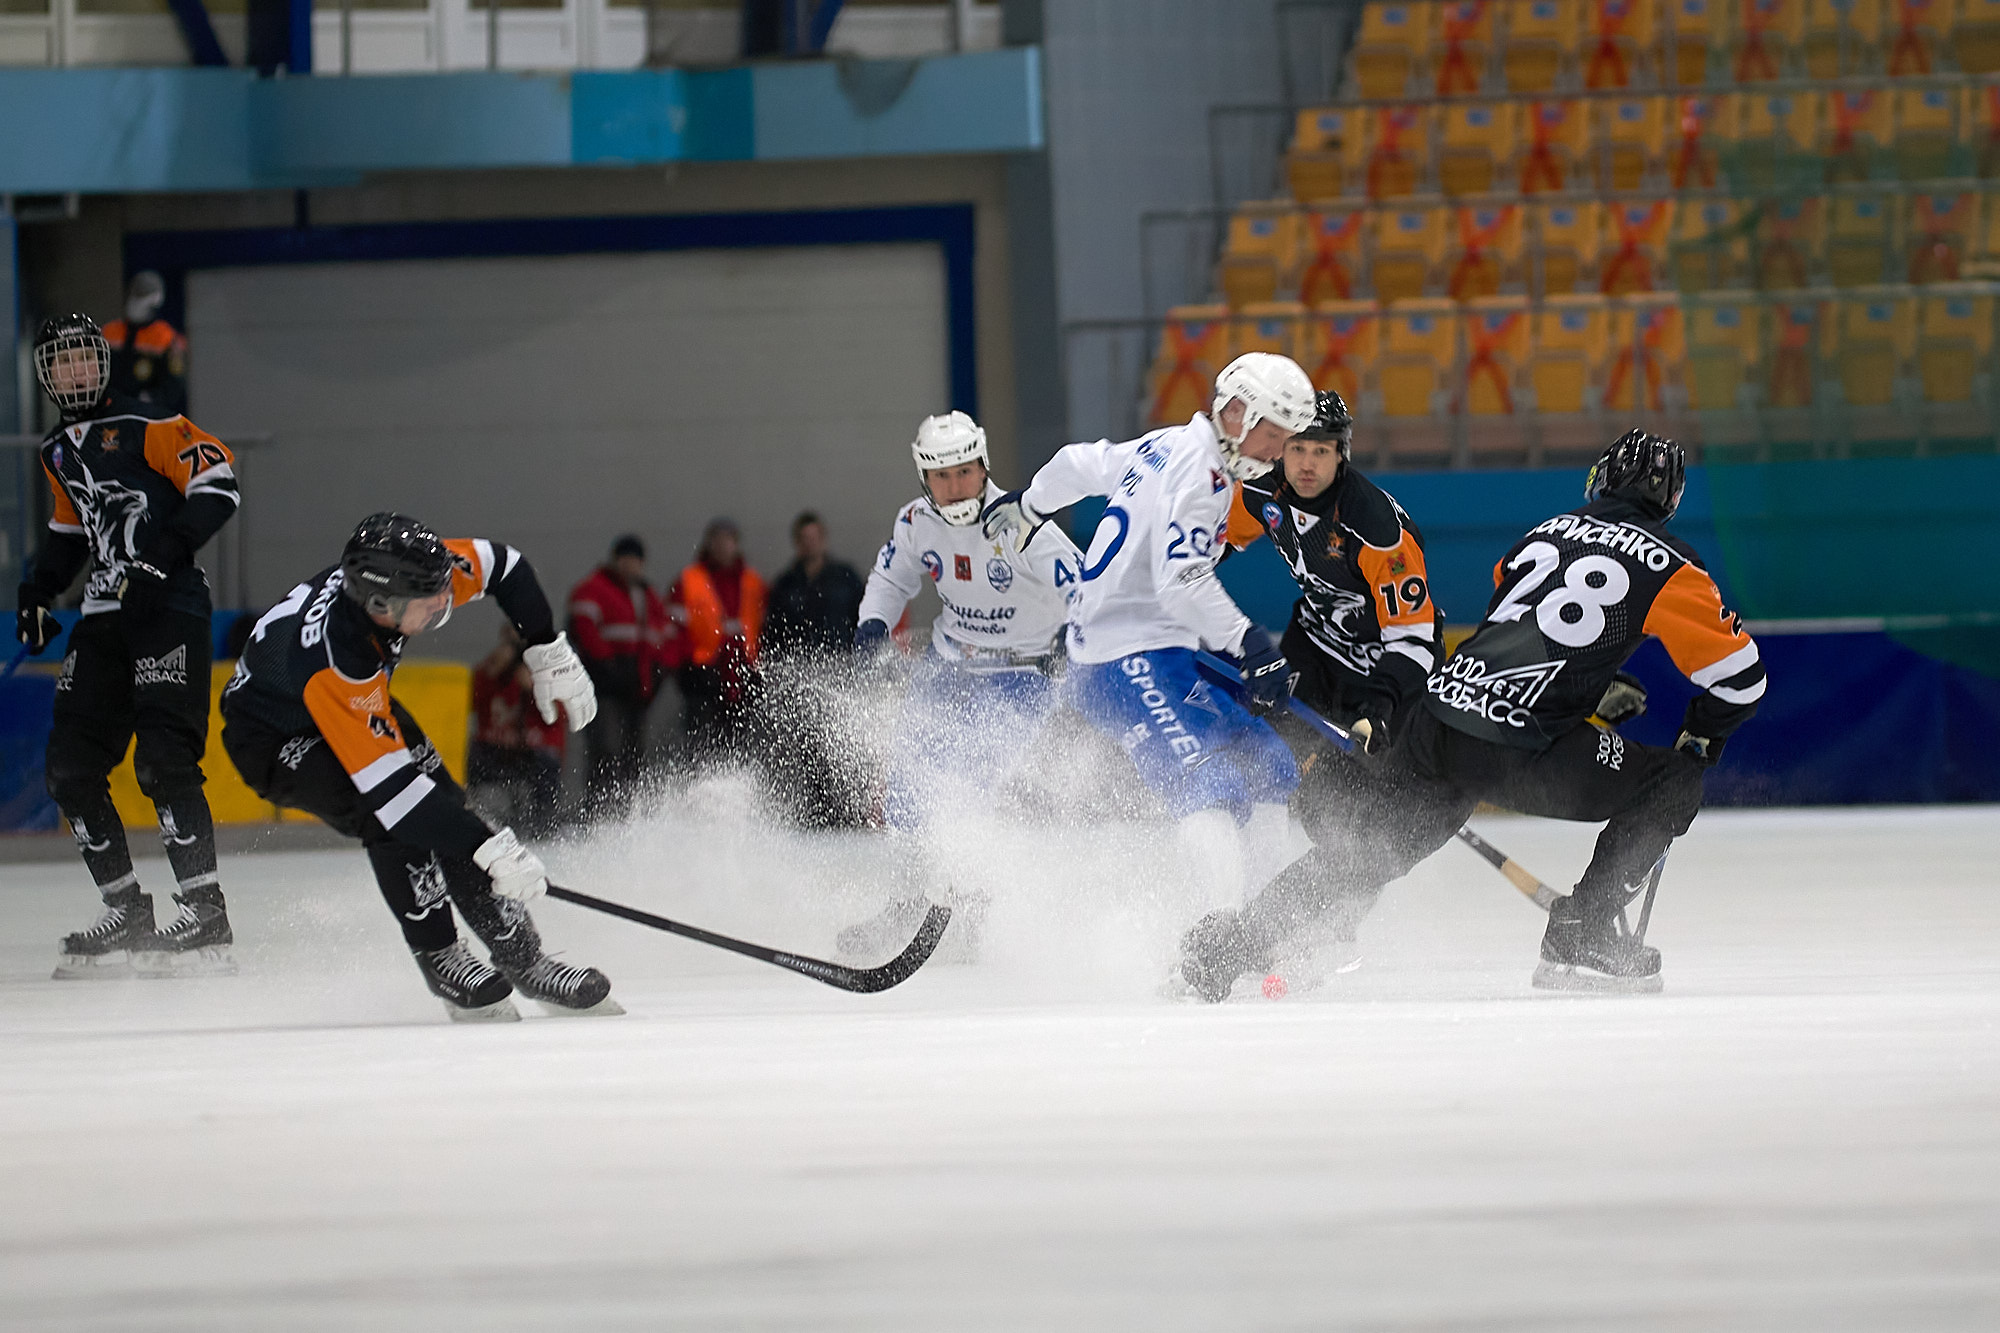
(1359, 561)
(148, 363)
(132, 481)
(1572, 600)
(317, 667)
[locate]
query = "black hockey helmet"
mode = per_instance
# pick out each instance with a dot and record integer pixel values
(392, 560)
(1331, 421)
(73, 362)
(1643, 468)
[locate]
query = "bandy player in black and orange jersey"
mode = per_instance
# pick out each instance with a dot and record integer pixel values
(135, 491)
(1507, 720)
(310, 723)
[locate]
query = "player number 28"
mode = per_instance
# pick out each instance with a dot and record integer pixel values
(1406, 596)
(1591, 584)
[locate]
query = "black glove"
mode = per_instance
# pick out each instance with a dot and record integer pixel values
(1371, 734)
(1624, 699)
(1267, 676)
(871, 639)
(33, 625)
(1704, 750)
(147, 574)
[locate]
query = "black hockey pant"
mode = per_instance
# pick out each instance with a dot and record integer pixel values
(301, 773)
(1373, 820)
(130, 675)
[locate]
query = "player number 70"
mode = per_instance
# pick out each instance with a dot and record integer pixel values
(203, 456)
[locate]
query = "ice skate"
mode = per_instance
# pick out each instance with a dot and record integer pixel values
(472, 992)
(196, 943)
(1591, 954)
(565, 991)
(104, 950)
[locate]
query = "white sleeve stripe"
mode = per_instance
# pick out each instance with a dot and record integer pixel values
(1416, 652)
(379, 772)
(73, 529)
(229, 492)
(1727, 667)
(1749, 695)
(404, 801)
(220, 472)
(484, 549)
(1426, 631)
(513, 556)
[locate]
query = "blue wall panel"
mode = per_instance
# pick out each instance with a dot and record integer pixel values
(106, 130)
(980, 103)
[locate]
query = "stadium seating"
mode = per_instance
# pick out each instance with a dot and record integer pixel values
(1419, 351)
(1391, 49)
(1954, 343)
(1340, 346)
(1724, 343)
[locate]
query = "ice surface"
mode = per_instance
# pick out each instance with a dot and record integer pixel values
(1803, 1132)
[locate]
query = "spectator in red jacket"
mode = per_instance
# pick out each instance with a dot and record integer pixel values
(513, 769)
(629, 643)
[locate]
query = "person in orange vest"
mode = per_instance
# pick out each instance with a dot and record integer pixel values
(719, 603)
(148, 355)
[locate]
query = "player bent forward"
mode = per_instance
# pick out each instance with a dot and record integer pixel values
(1506, 720)
(984, 686)
(310, 723)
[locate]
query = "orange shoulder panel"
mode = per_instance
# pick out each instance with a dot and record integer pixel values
(354, 717)
(180, 451)
(1397, 578)
(1242, 529)
(156, 337)
(1689, 619)
(469, 572)
(114, 333)
(61, 510)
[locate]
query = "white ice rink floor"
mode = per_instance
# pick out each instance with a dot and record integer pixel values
(1803, 1132)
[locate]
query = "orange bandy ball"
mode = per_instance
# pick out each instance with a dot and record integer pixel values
(1274, 987)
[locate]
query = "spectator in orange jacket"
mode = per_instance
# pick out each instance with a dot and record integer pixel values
(148, 355)
(629, 641)
(719, 601)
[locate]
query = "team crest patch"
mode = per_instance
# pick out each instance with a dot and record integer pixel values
(961, 568)
(108, 439)
(1397, 564)
(1273, 515)
(933, 566)
(1217, 483)
(1000, 574)
(1336, 545)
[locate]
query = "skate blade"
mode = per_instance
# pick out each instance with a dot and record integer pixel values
(604, 1008)
(93, 967)
(1581, 981)
(500, 1011)
(165, 965)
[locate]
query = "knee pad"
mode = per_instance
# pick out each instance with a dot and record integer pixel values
(75, 786)
(166, 772)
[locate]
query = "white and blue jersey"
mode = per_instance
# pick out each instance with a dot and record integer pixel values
(1149, 600)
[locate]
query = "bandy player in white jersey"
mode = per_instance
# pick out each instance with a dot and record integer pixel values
(1150, 598)
(984, 686)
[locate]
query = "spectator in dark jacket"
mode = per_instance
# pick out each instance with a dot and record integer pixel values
(815, 603)
(629, 643)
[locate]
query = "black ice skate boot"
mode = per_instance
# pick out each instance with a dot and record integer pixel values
(1217, 951)
(472, 992)
(104, 950)
(562, 990)
(194, 944)
(1589, 950)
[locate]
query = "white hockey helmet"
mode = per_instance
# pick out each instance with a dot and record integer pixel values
(947, 441)
(1271, 387)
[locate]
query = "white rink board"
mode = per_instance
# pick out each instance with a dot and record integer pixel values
(1803, 1132)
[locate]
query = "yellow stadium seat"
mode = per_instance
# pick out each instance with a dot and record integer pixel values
(1915, 36)
(1856, 128)
(1794, 331)
(1632, 140)
(1474, 138)
(1703, 128)
(1194, 345)
(1567, 237)
(1867, 342)
(1408, 252)
(1648, 353)
(1928, 142)
(1954, 343)
(1464, 46)
(1696, 36)
(1860, 239)
(1975, 37)
(1486, 250)
(1791, 242)
(1331, 251)
(1419, 349)
(1326, 147)
(1634, 245)
(1262, 246)
(1555, 138)
(1496, 335)
(1777, 136)
(1571, 341)
(1619, 44)
(1722, 349)
(1391, 48)
(1711, 244)
(1767, 32)
(1939, 235)
(1342, 340)
(1398, 150)
(1542, 39)
(1979, 117)
(1269, 326)
(1841, 36)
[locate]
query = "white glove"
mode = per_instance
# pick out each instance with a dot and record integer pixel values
(561, 679)
(517, 872)
(1009, 521)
